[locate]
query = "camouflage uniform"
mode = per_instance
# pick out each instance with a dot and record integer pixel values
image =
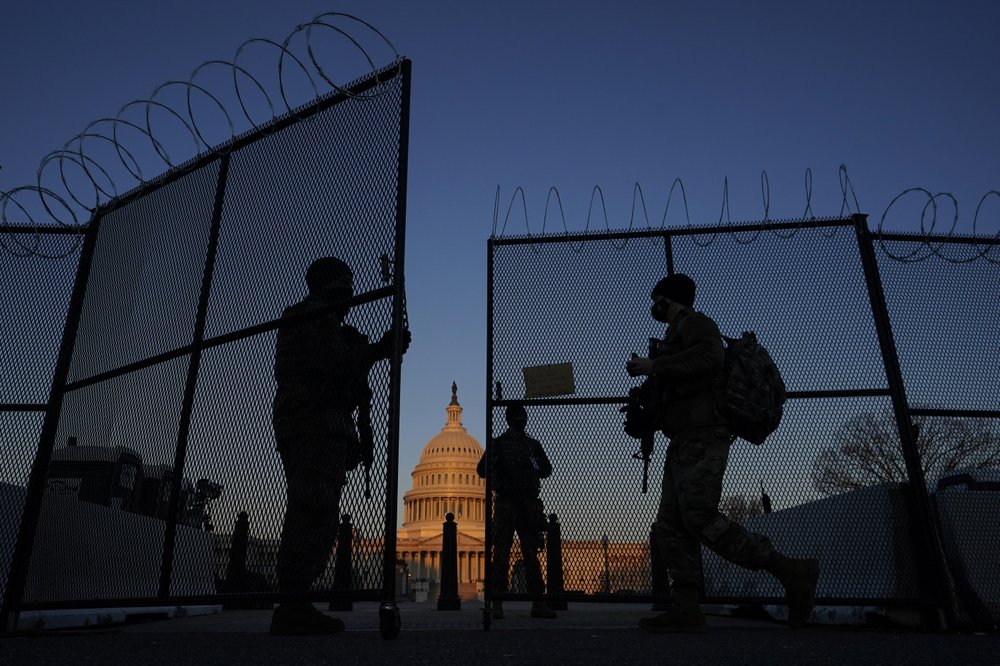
(321, 368)
(689, 370)
(518, 463)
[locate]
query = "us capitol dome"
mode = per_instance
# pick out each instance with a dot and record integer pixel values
(445, 481)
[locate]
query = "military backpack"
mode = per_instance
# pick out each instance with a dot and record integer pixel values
(753, 391)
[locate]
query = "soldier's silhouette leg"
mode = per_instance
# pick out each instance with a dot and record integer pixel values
(315, 480)
(681, 553)
(531, 543)
(689, 514)
(503, 540)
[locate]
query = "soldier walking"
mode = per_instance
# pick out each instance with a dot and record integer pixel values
(689, 373)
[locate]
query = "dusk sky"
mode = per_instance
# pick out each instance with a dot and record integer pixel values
(573, 95)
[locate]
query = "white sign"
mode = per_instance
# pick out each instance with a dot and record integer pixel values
(543, 381)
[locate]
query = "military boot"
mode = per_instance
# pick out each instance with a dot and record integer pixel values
(684, 617)
(541, 610)
(799, 579)
(497, 611)
(302, 619)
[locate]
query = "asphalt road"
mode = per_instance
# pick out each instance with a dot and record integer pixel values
(586, 634)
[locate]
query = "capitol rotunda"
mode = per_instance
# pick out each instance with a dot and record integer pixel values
(445, 481)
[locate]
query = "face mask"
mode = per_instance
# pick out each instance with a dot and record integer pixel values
(659, 311)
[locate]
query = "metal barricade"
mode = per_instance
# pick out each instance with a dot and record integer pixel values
(847, 314)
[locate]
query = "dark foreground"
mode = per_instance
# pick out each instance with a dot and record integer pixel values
(586, 634)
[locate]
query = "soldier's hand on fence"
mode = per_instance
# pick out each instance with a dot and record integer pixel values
(638, 366)
(387, 343)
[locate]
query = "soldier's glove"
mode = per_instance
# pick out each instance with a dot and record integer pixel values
(638, 366)
(387, 343)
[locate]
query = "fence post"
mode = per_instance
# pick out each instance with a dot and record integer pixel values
(928, 552)
(342, 570)
(553, 564)
(448, 598)
(191, 384)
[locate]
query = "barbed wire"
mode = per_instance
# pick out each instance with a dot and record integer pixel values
(918, 246)
(638, 200)
(933, 245)
(129, 140)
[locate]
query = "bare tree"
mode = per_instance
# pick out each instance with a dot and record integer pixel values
(867, 451)
(738, 507)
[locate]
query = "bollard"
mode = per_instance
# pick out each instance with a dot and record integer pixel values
(448, 598)
(342, 566)
(553, 564)
(236, 568)
(658, 574)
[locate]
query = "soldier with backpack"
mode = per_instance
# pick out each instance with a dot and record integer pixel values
(688, 376)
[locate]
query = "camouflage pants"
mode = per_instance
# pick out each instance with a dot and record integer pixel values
(520, 516)
(314, 471)
(689, 517)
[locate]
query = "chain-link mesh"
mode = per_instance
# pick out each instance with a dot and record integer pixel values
(944, 323)
(173, 364)
(805, 292)
(33, 306)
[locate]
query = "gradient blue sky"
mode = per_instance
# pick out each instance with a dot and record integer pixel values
(535, 93)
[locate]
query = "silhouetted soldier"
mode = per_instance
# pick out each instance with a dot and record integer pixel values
(517, 465)
(689, 372)
(322, 426)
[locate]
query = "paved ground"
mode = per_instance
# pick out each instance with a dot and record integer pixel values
(585, 634)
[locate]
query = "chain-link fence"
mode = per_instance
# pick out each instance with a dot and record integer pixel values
(157, 436)
(34, 302)
(890, 367)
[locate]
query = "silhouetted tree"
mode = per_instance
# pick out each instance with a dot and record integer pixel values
(739, 508)
(866, 451)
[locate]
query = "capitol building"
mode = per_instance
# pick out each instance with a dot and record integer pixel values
(445, 481)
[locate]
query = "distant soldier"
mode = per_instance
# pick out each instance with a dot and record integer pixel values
(688, 372)
(517, 465)
(323, 430)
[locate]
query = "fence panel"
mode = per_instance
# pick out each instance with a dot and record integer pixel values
(584, 299)
(33, 304)
(944, 317)
(164, 434)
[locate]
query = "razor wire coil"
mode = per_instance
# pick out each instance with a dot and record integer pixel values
(70, 204)
(928, 242)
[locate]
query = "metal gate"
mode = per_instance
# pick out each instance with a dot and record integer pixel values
(850, 316)
(155, 444)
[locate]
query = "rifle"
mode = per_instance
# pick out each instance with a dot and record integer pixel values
(640, 415)
(636, 410)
